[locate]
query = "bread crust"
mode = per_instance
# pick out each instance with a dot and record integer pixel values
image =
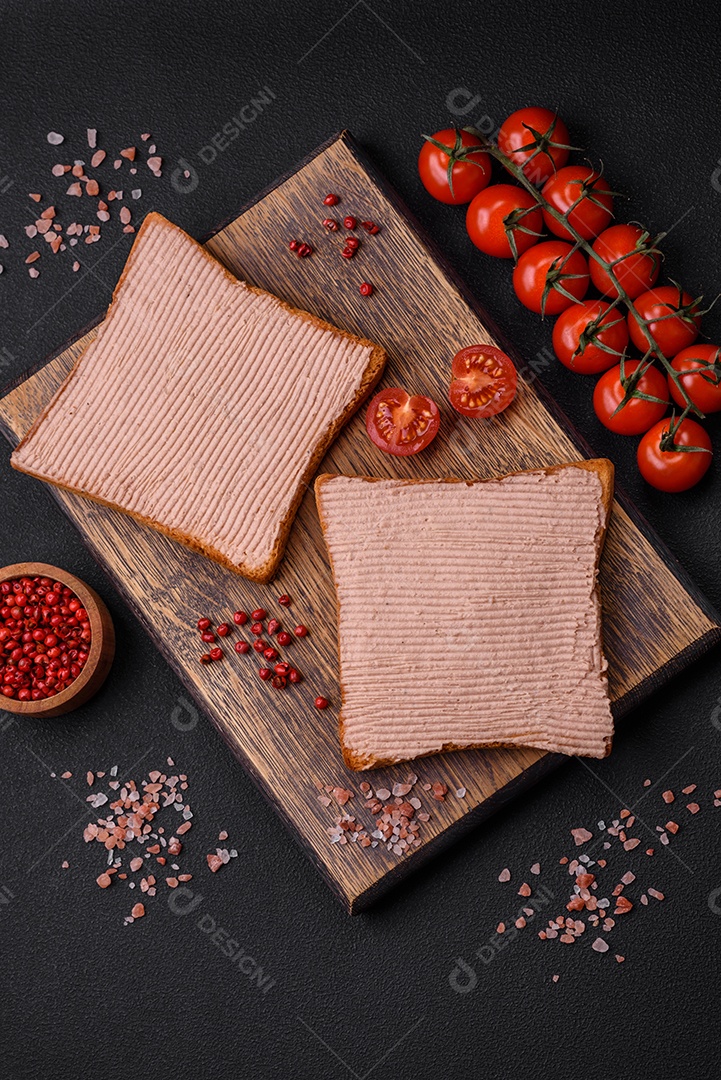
(267, 570)
(604, 469)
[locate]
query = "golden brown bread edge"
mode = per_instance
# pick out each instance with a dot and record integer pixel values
(604, 469)
(264, 573)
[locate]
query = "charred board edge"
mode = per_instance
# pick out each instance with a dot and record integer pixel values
(356, 901)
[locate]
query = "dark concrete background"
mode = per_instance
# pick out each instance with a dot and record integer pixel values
(81, 994)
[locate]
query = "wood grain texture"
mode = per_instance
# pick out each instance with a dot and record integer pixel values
(655, 619)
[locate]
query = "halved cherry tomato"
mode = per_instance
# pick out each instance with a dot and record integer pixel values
(590, 337)
(670, 469)
(537, 140)
(700, 369)
(484, 381)
(635, 269)
(637, 415)
(400, 424)
(672, 316)
(452, 171)
(546, 269)
(501, 216)
(584, 189)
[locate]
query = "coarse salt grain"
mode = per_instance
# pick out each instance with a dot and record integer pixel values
(505, 875)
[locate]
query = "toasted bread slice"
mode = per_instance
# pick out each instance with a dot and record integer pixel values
(469, 612)
(173, 415)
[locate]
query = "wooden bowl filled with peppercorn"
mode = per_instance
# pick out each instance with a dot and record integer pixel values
(57, 640)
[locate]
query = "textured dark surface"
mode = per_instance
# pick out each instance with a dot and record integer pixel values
(82, 994)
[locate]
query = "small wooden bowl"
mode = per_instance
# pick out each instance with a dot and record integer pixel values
(102, 645)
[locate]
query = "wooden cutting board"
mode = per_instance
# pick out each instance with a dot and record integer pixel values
(655, 621)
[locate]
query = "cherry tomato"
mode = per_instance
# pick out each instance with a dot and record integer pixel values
(671, 332)
(502, 213)
(400, 424)
(700, 369)
(584, 189)
(453, 172)
(484, 381)
(670, 469)
(590, 337)
(545, 269)
(637, 415)
(537, 140)
(635, 270)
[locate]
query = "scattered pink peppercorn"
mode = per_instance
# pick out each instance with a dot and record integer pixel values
(204, 624)
(284, 638)
(264, 673)
(284, 600)
(349, 222)
(273, 625)
(242, 647)
(331, 200)
(223, 630)
(216, 654)
(300, 630)
(321, 703)
(366, 289)
(240, 618)
(330, 224)
(259, 614)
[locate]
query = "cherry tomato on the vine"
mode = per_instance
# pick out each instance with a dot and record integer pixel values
(674, 460)
(484, 381)
(635, 269)
(546, 272)
(672, 317)
(449, 167)
(584, 189)
(536, 140)
(699, 367)
(590, 337)
(504, 217)
(637, 415)
(400, 424)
